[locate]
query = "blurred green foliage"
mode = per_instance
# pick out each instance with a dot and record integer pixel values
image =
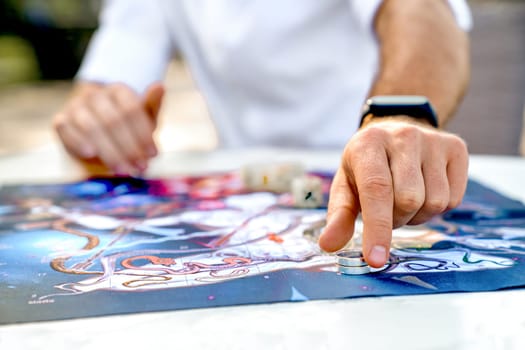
(44, 39)
(55, 13)
(17, 60)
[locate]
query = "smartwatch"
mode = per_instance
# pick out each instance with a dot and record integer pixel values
(418, 107)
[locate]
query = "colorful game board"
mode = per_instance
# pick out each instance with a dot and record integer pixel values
(121, 245)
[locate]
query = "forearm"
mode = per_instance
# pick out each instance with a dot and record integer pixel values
(422, 52)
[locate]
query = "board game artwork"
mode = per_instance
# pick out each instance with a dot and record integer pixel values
(124, 245)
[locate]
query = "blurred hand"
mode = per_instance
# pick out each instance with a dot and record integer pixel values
(112, 125)
(395, 171)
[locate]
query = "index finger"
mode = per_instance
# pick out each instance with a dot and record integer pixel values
(375, 191)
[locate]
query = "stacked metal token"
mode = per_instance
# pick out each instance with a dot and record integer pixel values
(352, 262)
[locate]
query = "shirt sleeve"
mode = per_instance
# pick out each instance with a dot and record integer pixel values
(365, 11)
(132, 45)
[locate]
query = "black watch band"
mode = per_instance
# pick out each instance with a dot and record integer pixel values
(418, 107)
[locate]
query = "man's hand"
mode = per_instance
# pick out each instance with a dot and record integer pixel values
(112, 125)
(394, 172)
(398, 171)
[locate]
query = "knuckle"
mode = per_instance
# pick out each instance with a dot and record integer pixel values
(407, 138)
(125, 96)
(373, 133)
(454, 202)
(410, 132)
(59, 121)
(409, 201)
(78, 103)
(87, 127)
(131, 108)
(118, 88)
(436, 205)
(453, 143)
(368, 139)
(458, 145)
(456, 140)
(376, 187)
(111, 120)
(364, 138)
(434, 140)
(458, 151)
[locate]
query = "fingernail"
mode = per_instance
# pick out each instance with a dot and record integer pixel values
(378, 255)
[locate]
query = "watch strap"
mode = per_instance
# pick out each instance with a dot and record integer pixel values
(422, 110)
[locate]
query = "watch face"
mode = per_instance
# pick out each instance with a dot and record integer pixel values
(397, 100)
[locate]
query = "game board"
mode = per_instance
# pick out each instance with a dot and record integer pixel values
(123, 245)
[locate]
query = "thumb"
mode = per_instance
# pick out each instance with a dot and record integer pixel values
(342, 213)
(153, 99)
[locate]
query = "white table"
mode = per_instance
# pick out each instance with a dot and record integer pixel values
(493, 320)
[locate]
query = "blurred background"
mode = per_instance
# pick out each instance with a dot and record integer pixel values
(42, 43)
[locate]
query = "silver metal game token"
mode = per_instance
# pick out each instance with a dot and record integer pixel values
(351, 258)
(347, 263)
(353, 270)
(350, 254)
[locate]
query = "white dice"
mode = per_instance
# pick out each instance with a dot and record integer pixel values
(275, 177)
(307, 191)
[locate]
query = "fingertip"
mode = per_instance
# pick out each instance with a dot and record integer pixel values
(337, 232)
(327, 243)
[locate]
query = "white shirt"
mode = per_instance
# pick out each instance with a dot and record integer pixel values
(282, 73)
